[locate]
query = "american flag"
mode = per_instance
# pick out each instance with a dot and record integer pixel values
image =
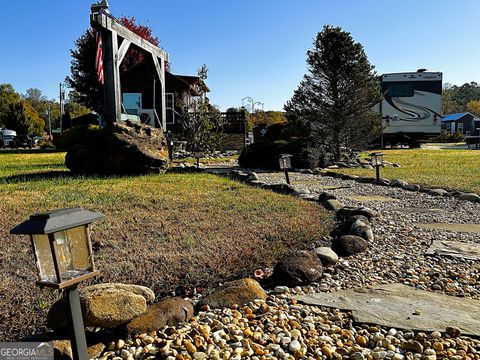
(99, 57)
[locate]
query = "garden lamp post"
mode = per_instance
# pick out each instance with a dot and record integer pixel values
(197, 154)
(285, 163)
(63, 253)
(377, 161)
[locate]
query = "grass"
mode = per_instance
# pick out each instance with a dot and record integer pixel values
(170, 232)
(449, 169)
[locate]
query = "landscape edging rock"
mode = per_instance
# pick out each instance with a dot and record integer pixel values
(464, 196)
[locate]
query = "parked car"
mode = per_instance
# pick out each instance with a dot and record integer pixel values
(7, 138)
(23, 141)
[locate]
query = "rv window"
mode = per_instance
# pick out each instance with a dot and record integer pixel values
(400, 90)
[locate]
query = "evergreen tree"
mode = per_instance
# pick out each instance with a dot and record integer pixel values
(334, 101)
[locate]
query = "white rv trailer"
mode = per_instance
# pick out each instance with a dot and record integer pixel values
(411, 106)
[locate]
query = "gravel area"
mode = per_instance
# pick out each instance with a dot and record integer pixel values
(280, 328)
(397, 254)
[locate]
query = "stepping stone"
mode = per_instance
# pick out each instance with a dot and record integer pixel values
(371, 198)
(457, 249)
(403, 307)
(468, 228)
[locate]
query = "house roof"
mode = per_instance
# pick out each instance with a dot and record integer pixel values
(190, 82)
(176, 82)
(454, 117)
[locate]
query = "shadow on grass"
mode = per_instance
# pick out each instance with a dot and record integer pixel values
(53, 175)
(31, 151)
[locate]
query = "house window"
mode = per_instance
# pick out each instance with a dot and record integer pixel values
(170, 108)
(460, 127)
(132, 103)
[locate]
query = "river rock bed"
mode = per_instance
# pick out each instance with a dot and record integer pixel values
(280, 328)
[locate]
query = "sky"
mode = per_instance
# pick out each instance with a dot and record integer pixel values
(253, 49)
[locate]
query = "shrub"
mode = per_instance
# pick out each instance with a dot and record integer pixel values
(91, 134)
(449, 137)
(265, 154)
(47, 145)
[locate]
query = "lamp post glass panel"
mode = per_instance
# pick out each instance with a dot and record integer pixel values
(377, 161)
(285, 163)
(71, 251)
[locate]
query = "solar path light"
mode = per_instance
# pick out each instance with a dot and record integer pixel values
(377, 161)
(197, 154)
(285, 163)
(63, 253)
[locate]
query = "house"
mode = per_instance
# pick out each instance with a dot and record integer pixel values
(141, 94)
(466, 123)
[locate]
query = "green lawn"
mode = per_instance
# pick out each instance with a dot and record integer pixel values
(450, 169)
(165, 231)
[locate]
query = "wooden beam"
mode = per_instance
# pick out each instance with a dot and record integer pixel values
(164, 99)
(113, 25)
(113, 102)
(122, 50)
(159, 64)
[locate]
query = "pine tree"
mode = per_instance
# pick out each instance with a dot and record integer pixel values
(335, 99)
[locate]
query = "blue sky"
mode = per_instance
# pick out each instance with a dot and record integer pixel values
(252, 48)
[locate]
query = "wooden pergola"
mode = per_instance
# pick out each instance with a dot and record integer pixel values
(117, 39)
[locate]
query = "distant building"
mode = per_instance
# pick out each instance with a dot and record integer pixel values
(466, 123)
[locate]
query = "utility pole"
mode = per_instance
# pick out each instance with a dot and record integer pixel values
(49, 112)
(62, 105)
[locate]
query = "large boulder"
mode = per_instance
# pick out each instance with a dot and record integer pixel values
(103, 305)
(170, 311)
(231, 293)
(129, 148)
(347, 245)
(112, 308)
(144, 291)
(297, 269)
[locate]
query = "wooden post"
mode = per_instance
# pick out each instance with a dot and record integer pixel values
(112, 57)
(113, 93)
(159, 64)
